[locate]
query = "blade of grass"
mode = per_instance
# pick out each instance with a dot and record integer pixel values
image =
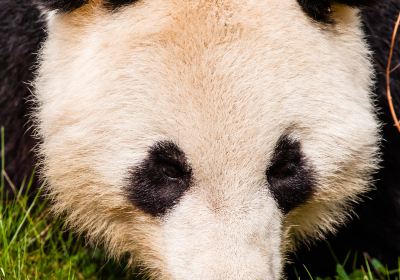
(369, 272)
(3, 157)
(308, 272)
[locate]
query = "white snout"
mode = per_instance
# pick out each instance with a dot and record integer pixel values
(239, 241)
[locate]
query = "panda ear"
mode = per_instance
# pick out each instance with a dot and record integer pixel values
(321, 10)
(66, 6)
(63, 6)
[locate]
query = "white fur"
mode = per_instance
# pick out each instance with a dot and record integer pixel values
(223, 80)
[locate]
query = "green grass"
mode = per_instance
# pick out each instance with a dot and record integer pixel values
(33, 245)
(370, 269)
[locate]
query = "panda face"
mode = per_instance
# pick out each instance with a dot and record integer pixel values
(205, 138)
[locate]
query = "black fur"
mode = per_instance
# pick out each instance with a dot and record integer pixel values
(61, 5)
(376, 231)
(70, 5)
(160, 180)
(115, 4)
(21, 32)
(320, 10)
(290, 176)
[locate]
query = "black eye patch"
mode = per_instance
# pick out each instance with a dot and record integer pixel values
(290, 177)
(158, 183)
(321, 10)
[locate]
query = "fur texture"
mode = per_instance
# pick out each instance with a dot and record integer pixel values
(21, 32)
(224, 81)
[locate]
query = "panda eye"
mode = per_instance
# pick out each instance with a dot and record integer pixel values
(290, 177)
(157, 184)
(285, 168)
(171, 170)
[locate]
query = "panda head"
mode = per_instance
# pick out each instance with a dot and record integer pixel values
(205, 138)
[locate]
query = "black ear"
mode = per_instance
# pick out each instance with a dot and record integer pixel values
(115, 4)
(65, 6)
(321, 10)
(61, 5)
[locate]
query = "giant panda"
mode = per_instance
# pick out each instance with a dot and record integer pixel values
(206, 139)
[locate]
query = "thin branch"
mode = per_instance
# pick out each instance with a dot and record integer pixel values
(388, 71)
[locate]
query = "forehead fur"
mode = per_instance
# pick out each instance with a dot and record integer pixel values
(222, 79)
